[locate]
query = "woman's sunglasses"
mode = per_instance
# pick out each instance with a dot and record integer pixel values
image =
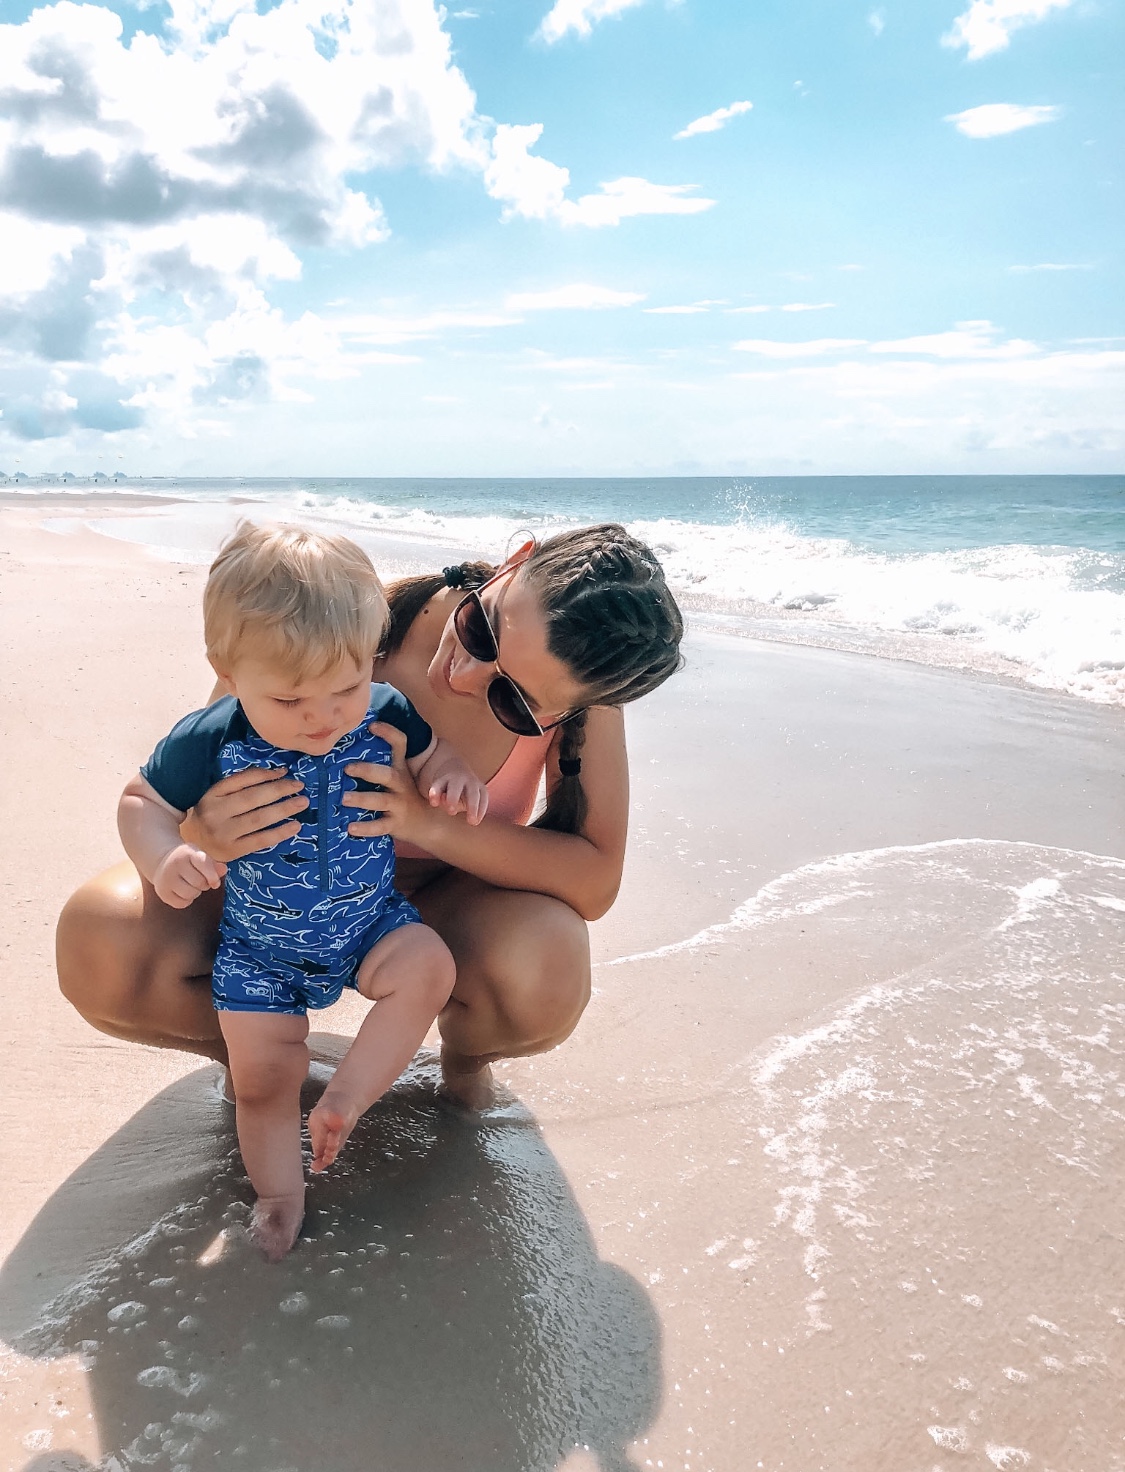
(477, 637)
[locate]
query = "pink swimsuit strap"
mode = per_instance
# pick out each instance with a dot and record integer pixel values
(511, 792)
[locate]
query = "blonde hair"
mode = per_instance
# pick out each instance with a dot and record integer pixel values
(303, 601)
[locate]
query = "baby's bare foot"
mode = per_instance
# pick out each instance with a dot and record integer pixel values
(276, 1223)
(330, 1124)
(467, 1081)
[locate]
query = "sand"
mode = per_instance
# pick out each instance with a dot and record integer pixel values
(829, 1176)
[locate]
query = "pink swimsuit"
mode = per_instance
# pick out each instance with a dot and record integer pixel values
(511, 793)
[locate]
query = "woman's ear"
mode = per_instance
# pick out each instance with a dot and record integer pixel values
(520, 555)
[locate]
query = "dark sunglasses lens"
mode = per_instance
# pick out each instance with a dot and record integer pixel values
(470, 623)
(510, 708)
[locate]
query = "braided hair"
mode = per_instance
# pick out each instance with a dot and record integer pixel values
(610, 619)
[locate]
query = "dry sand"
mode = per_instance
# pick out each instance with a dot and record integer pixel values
(829, 1177)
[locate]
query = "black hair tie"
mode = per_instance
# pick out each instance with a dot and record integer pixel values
(454, 576)
(570, 766)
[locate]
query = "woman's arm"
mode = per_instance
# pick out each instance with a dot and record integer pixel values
(584, 870)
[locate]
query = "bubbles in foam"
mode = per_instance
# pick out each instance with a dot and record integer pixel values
(1053, 616)
(949, 1438)
(1007, 1458)
(935, 1175)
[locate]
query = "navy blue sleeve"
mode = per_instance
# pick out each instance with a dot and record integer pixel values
(186, 763)
(390, 705)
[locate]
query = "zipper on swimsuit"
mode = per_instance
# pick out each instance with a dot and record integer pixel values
(322, 821)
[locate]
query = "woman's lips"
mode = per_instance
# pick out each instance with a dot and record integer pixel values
(444, 673)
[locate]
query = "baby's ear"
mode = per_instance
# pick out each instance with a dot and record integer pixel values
(224, 679)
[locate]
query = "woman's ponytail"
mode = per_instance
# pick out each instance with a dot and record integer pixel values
(566, 801)
(407, 597)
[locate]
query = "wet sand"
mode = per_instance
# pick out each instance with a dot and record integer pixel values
(829, 1177)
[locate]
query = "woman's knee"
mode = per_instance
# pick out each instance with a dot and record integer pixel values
(115, 945)
(538, 973)
(92, 952)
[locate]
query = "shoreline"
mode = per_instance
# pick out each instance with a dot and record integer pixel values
(401, 553)
(870, 885)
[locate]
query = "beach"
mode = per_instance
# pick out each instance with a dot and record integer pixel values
(829, 1176)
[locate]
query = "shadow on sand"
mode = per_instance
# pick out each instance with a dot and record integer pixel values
(448, 1311)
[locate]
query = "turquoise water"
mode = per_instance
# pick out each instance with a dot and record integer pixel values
(1027, 571)
(896, 514)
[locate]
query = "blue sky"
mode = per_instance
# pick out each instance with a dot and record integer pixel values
(323, 237)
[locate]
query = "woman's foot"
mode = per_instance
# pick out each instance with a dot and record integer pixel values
(276, 1224)
(467, 1081)
(330, 1124)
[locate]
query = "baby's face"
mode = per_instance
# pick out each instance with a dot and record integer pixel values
(310, 716)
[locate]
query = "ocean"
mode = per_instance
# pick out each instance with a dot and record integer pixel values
(1020, 577)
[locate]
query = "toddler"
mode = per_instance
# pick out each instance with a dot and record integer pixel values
(292, 622)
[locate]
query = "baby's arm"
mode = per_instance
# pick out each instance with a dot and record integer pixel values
(443, 778)
(150, 831)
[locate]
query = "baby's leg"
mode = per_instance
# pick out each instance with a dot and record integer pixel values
(268, 1064)
(409, 975)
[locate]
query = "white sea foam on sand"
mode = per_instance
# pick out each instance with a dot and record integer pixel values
(930, 1174)
(1051, 616)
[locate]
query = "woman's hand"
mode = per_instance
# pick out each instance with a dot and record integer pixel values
(245, 814)
(402, 810)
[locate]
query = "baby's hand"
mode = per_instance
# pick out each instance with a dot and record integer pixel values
(184, 873)
(459, 790)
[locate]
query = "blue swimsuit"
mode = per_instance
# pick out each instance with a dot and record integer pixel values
(297, 918)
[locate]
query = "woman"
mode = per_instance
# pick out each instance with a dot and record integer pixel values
(523, 668)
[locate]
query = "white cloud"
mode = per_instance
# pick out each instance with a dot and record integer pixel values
(176, 177)
(620, 199)
(546, 363)
(33, 251)
(689, 309)
(994, 119)
(579, 16)
(987, 24)
(817, 348)
(386, 330)
(153, 191)
(713, 121)
(966, 340)
(786, 307)
(534, 188)
(1053, 266)
(526, 185)
(877, 21)
(579, 297)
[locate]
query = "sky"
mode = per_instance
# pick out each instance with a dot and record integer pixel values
(599, 237)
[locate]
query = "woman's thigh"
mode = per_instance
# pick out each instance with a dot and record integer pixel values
(138, 969)
(523, 965)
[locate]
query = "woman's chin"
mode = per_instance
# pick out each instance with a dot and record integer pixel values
(438, 673)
